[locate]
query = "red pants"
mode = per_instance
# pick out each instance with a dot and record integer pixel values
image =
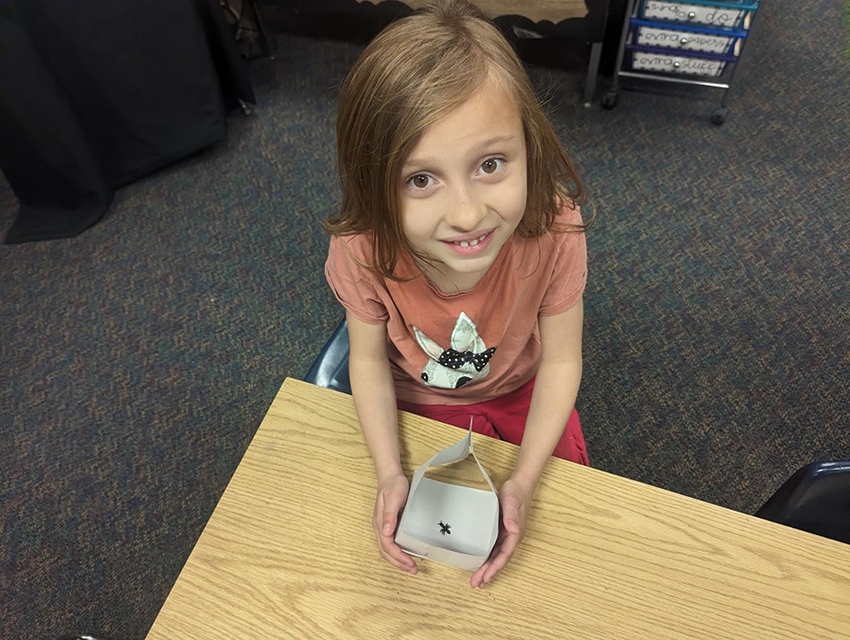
(504, 418)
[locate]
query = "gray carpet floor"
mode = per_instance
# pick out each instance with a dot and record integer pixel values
(139, 358)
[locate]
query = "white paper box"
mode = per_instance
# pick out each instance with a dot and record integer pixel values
(448, 523)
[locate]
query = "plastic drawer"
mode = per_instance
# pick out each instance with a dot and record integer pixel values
(664, 61)
(714, 14)
(685, 38)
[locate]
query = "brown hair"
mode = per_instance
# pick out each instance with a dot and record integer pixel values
(414, 72)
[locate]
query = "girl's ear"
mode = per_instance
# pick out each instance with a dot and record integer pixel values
(428, 346)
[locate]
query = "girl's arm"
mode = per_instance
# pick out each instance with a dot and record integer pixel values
(552, 401)
(555, 391)
(374, 399)
(374, 393)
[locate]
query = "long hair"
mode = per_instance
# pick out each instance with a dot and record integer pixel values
(414, 72)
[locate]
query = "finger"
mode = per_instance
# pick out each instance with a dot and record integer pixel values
(389, 547)
(391, 552)
(510, 515)
(394, 553)
(496, 565)
(378, 514)
(399, 565)
(388, 524)
(393, 503)
(501, 559)
(389, 517)
(477, 579)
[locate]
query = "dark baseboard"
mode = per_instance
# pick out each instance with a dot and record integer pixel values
(350, 22)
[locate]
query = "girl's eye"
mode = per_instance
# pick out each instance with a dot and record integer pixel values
(492, 165)
(419, 181)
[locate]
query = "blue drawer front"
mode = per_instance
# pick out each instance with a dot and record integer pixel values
(712, 14)
(667, 61)
(749, 5)
(671, 36)
(694, 28)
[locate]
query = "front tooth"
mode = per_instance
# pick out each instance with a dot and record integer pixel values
(464, 243)
(474, 242)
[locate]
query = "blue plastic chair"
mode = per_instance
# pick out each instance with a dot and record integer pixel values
(815, 499)
(330, 368)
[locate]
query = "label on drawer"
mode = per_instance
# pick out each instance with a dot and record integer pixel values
(643, 61)
(717, 16)
(653, 37)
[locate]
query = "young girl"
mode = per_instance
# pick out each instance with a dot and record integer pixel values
(459, 256)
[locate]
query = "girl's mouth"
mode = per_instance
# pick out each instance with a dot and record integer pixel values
(471, 246)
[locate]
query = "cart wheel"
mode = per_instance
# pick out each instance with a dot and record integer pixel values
(609, 101)
(719, 116)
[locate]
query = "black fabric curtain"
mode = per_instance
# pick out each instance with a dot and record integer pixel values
(94, 95)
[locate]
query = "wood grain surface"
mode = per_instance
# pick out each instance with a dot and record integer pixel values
(552, 10)
(289, 553)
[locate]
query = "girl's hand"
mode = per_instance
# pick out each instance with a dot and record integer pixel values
(515, 499)
(392, 496)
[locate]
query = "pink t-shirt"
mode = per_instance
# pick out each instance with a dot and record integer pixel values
(463, 348)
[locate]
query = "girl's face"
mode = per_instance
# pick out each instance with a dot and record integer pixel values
(464, 188)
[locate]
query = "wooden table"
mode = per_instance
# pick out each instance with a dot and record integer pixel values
(289, 553)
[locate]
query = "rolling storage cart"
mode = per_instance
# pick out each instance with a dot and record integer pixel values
(695, 42)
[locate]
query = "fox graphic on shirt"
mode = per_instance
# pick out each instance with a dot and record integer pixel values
(467, 358)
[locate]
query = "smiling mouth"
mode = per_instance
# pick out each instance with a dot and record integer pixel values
(471, 243)
(473, 246)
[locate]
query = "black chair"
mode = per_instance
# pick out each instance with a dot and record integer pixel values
(330, 368)
(815, 499)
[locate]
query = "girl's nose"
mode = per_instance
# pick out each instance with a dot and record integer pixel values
(466, 210)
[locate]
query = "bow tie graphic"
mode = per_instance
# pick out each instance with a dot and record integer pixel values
(456, 359)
